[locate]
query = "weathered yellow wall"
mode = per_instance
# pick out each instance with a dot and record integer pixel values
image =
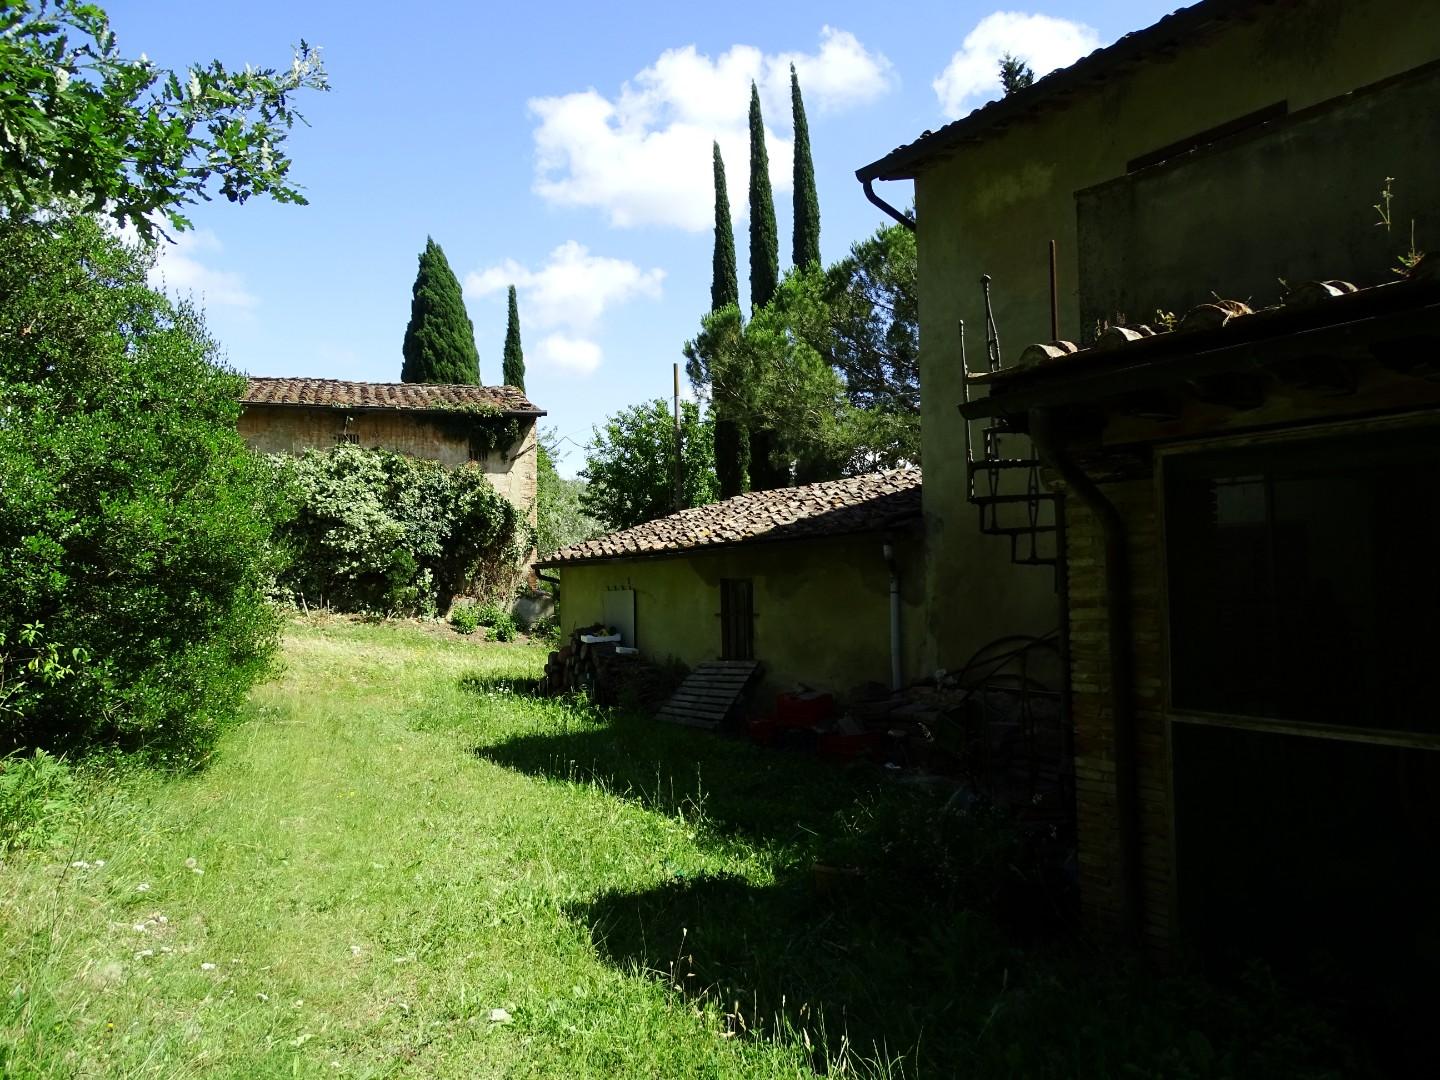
(822, 608)
(292, 430)
(992, 208)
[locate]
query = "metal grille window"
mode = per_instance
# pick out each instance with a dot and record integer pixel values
(737, 619)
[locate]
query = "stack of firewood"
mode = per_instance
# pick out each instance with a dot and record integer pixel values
(608, 675)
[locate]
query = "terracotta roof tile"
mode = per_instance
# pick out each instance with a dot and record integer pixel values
(418, 397)
(868, 503)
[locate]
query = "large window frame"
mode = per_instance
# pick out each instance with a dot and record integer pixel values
(1166, 457)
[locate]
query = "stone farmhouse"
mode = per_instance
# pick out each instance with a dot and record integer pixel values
(490, 427)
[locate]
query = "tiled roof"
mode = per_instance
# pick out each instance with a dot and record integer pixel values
(417, 397)
(1172, 32)
(1212, 333)
(1313, 303)
(868, 503)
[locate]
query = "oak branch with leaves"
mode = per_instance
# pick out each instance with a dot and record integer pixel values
(127, 138)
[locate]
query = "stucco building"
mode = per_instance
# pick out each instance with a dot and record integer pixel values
(819, 583)
(492, 428)
(1233, 403)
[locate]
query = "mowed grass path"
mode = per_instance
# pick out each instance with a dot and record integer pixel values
(349, 889)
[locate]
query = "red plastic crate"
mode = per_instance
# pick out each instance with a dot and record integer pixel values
(803, 710)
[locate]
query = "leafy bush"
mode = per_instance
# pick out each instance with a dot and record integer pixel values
(381, 532)
(503, 628)
(134, 524)
(37, 796)
(465, 618)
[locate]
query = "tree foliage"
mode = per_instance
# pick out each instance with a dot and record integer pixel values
(1015, 74)
(381, 532)
(873, 339)
(732, 442)
(78, 121)
(135, 526)
(560, 504)
(724, 278)
(439, 344)
(630, 464)
(514, 358)
(829, 367)
(805, 236)
(764, 239)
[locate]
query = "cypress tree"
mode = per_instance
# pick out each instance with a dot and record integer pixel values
(514, 363)
(724, 281)
(805, 248)
(732, 447)
(440, 340)
(764, 279)
(764, 242)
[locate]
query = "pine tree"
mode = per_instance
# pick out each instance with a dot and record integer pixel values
(1015, 74)
(764, 242)
(805, 249)
(440, 340)
(732, 446)
(764, 279)
(724, 281)
(514, 363)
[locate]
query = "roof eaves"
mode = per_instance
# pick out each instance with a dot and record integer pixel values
(898, 521)
(1166, 36)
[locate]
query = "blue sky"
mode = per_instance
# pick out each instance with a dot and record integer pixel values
(563, 147)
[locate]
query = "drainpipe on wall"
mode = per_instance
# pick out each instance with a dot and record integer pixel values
(903, 219)
(1050, 446)
(896, 675)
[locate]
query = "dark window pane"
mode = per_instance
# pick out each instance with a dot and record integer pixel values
(1304, 582)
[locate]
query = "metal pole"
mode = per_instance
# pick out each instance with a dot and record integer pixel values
(1054, 296)
(679, 446)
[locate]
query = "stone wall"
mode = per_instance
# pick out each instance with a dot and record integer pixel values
(274, 429)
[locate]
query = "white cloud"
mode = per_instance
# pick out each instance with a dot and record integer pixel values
(568, 295)
(1042, 41)
(180, 268)
(570, 355)
(644, 157)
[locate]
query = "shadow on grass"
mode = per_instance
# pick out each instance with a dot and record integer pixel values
(878, 973)
(723, 783)
(947, 951)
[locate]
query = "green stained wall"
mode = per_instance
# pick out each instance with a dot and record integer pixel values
(992, 207)
(822, 607)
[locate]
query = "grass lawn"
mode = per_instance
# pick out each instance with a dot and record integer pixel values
(400, 867)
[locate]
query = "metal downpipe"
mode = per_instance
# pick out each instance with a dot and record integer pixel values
(897, 679)
(903, 219)
(1050, 446)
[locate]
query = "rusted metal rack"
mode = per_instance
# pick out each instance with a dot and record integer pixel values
(1003, 479)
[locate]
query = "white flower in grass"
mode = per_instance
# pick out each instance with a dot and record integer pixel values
(193, 866)
(144, 954)
(207, 966)
(144, 886)
(139, 928)
(99, 862)
(79, 864)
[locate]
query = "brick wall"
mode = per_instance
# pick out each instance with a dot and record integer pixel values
(293, 430)
(1100, 883)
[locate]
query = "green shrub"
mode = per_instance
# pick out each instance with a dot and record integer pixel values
(465, 618)
(503, 627)
(37, 799)
(134, 523)
(380, 532)
(489, 613)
